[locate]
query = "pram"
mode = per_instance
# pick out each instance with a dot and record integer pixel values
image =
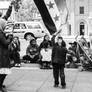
(85, 54)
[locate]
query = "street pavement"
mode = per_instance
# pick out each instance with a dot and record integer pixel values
(33, 79)
(29, 78)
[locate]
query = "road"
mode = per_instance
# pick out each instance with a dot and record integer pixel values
(37, 80)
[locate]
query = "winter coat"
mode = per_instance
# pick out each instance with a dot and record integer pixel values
(59, 52)
(45, 44)
(4, 53)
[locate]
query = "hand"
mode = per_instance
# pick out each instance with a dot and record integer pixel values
(56, 33)
(12, 2)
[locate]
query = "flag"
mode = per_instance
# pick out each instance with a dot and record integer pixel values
(62, 6)
(53, 13)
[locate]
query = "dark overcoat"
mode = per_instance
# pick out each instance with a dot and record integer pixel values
(4, 53)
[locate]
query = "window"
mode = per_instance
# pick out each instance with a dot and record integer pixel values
(17, 26)
(82, 28)
(9, 27)
(23, 26)
(37, 27)
(29, 26)
(81, 10)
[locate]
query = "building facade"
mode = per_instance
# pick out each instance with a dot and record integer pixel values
(80, 17)
(79, 20)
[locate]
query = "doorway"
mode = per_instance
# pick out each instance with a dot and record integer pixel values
(82, 28)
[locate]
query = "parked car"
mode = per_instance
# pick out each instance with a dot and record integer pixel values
(26, 29)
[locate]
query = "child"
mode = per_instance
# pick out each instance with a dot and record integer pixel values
(58, 60)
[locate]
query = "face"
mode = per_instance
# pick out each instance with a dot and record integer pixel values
(15, 39)
(59, 41)
(34, 42)
(47, 37)
(10, 36)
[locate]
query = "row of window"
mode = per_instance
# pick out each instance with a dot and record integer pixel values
(81, 9)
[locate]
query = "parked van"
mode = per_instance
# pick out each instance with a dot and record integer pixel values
(26, 29)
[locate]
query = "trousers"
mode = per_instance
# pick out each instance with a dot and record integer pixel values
(58, 71)
(2, 78)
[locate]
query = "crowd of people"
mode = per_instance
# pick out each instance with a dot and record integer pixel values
(10, 47)
(51, 54)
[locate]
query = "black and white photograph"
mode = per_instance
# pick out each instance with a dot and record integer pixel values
(45, 45)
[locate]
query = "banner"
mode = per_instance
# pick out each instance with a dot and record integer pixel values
(53, 12)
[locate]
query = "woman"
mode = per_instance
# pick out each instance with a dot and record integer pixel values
(4, 53)
(45, 49)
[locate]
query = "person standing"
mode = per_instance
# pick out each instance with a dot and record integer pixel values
(4, 53)
(14, 49)
(58, 60)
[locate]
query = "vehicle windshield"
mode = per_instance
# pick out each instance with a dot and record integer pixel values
(9, 27)
(20, 26)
